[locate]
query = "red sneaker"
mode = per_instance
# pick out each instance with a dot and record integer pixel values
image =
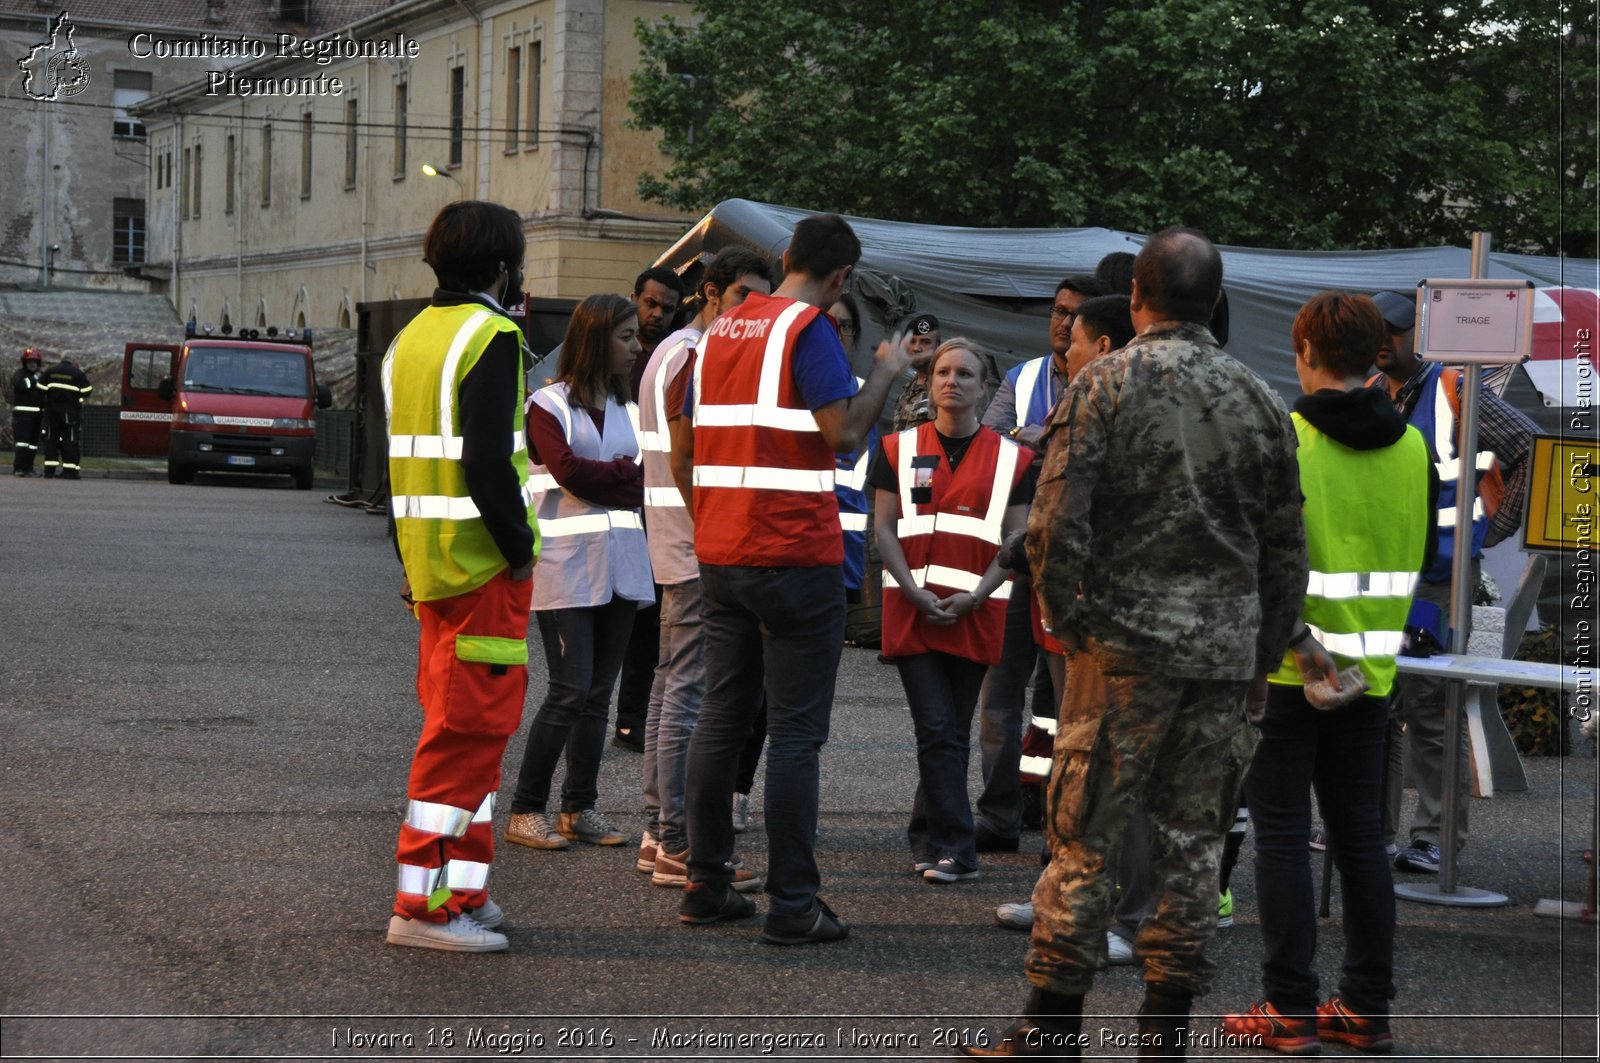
(1336, 1022)
(1264, 1026)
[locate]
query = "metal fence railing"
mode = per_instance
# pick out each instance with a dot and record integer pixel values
(335, 436)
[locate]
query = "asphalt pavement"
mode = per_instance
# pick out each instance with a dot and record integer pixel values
(207, 710)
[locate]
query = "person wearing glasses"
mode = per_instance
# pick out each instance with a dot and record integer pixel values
(1020, 408)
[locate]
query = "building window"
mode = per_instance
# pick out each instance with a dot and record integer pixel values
(535, 73)
(458, 113)
(400, 131)
(194, 186)
(156, 166)
(230, 165)
(183, 189)
(351, 136)
(266, 165)
(128, 87)
(305, 155)
(513, 97)
(127, 230)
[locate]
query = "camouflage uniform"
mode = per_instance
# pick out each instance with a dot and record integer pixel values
(915, 406)
(1170, 497)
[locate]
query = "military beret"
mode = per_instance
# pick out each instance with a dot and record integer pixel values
(922, 324)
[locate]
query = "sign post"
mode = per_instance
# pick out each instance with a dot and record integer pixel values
(1474, 323)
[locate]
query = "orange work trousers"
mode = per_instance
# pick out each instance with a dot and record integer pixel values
(472, 679)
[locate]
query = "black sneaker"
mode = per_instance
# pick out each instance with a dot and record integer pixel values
(814, 927)
(712, 903)
(629, 738)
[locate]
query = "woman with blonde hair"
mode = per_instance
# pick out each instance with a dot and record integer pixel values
(947, 493)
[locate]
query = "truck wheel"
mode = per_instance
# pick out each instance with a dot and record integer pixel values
(179, 473)
(303, 478)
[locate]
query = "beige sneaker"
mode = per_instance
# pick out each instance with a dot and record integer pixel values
(533, 829)
(673, 873)
(648, 848)
(590, 826)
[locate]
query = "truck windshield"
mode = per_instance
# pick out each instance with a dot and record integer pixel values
(236, 371)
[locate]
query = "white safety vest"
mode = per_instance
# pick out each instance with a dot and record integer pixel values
(588, 553)
(668, 526)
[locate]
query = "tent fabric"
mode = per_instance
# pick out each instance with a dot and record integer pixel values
(995, 286)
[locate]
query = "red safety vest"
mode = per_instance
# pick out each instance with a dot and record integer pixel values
(763, 476)
(950, 541)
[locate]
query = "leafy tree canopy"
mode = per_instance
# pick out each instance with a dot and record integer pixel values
(1310, 124)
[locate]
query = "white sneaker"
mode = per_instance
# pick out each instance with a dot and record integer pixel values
(1015, 916)
(741, 813)
(461, 934)
(1119, 951)
(489, 916)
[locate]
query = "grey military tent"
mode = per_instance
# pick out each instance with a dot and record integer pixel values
(995, 286)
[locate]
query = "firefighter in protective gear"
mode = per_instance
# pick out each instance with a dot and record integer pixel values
(458, 471)
(27, 413)
(66, 389)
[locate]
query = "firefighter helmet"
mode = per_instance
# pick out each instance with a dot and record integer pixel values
(31, 355)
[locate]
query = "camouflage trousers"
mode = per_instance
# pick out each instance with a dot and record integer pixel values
(1182, 747)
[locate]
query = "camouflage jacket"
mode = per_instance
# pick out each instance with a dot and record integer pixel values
(914, 406)
(1170, 498)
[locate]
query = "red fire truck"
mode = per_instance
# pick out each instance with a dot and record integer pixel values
(237, 402)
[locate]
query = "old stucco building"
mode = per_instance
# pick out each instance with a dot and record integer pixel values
(289, 189)
(74, 160)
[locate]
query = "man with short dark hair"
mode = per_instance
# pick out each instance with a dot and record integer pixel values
(1428, 396)
(657, 292)
(458, 472)
(1019, 409)
(1170, 562)
(772, 400)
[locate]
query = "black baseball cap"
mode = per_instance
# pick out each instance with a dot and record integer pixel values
(1399, 310)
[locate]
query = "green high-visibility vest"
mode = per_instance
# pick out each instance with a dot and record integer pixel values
(1366, 519)
(446, 548)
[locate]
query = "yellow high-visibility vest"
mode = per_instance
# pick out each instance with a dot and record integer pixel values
(446, 548)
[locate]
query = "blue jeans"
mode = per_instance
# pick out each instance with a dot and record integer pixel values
(583, 649)
(782, 630)
(943, 692)
(1339, 754)
(675, 696)
(1001, 710)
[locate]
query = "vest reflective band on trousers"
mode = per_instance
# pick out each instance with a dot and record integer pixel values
(764, 476)
(456, 875)
(442, 538)
(1366, 521)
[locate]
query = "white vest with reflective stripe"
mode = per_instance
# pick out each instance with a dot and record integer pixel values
(588, 552)
(668, 526)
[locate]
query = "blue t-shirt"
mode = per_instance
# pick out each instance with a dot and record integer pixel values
(821, 368)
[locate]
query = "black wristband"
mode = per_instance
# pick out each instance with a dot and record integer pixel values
(1305, 633)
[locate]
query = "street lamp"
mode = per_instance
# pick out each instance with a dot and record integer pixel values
(430, 170)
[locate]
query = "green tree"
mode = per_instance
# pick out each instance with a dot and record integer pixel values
(1270, 122)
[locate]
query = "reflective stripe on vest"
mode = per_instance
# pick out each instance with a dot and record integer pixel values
(1338, 585)
(853, 522)
(765, 411)
(764, 479)
(956, 579)
(440, 446)
(1047, 724)
(1359, 644)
